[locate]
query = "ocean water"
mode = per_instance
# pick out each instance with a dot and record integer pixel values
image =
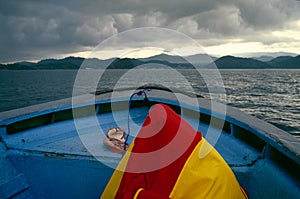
(271, 95)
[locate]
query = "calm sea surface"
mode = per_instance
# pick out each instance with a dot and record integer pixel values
(271, 95)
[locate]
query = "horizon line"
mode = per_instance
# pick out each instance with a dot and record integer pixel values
(239, 55)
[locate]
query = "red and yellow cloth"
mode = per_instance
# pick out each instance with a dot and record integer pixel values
(169, 159)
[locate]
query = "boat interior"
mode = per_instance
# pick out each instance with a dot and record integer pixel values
(58, 153)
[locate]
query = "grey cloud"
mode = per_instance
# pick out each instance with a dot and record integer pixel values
(94, 30)
(27, 36)
(263, 14)
(33, 29)
(223, 20)
(123, 21)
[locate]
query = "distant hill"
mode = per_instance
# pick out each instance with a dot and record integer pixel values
(129, 63)
(285, 62)
(65, 63)
(267, 54)
(165, 57)
(226, 62)
(125, 63)
(231, 62)
(3, 67)
(278, 60)
(94, 63)
(263, 58)
(16, 66)
(166, 60)
(282, 62)
(25, 63)
(69, 60)
(201, 59)
(197, 60)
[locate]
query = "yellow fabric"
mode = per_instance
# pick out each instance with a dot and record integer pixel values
(206, 175)
(112, 186)
(137, 193)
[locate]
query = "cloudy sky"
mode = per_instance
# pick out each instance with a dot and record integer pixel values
(33, 30)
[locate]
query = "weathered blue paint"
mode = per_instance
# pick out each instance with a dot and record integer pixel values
(62, 177)
(50, 161)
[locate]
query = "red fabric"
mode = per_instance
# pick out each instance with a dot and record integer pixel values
(145, 194)
(170, 137)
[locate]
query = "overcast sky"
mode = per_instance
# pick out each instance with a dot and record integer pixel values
(33, 30)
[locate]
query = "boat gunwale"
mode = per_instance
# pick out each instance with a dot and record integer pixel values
(271, 135)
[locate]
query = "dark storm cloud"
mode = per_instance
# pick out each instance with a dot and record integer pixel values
(31, 29)
(38, 29)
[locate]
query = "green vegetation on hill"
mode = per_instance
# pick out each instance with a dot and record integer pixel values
(226, 62)
(230, 62)
(286, 62)
(125, 63)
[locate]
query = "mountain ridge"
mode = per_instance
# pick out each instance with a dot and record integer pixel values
(201, 60)
(231, 62)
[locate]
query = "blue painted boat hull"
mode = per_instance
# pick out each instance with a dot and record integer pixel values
(43, 155)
